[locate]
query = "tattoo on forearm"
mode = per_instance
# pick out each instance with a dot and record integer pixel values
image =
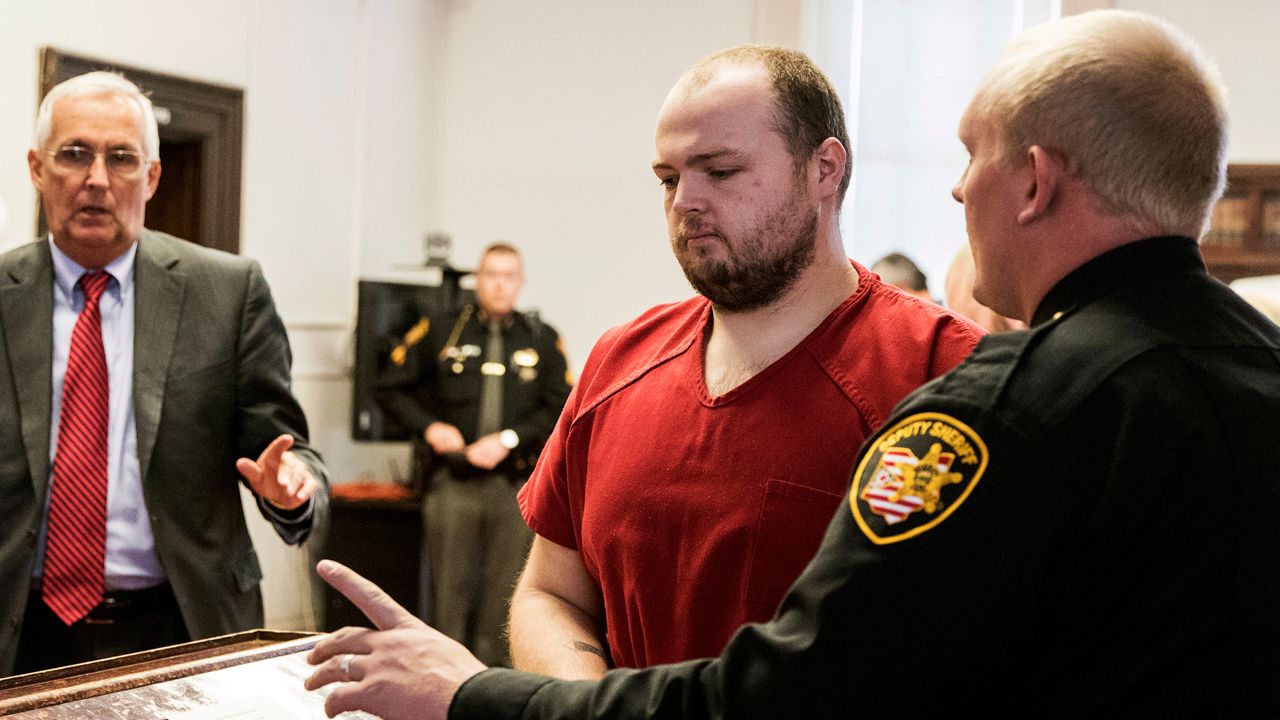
(588, 648)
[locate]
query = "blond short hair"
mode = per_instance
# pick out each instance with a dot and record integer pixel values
(1128, 98)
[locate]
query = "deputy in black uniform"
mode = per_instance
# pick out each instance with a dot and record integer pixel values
(1081, 520)
(484, 385)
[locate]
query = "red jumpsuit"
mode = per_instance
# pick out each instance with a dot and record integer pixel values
(694, 514)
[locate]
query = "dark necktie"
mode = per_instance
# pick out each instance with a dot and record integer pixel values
(76, 547)
(491, 392)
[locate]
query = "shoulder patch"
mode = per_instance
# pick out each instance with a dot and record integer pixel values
(915, 475)
(400, 353)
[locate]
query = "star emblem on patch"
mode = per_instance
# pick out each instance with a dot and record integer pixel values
(915, 475)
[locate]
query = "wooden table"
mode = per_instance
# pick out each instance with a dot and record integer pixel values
(227, 676)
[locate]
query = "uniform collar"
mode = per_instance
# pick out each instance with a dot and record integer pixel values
(1135, 263)
(483, 317)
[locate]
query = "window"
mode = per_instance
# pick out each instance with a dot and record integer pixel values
(906, 70)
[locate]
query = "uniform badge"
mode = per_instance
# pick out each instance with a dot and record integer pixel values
(527, 360)
(401, 352)
(915, 475)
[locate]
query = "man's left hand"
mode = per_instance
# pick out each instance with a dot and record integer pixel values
(404, 669)
(278, 476)
(487, 452)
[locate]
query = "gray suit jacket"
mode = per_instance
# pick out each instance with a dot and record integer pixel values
(210, 384)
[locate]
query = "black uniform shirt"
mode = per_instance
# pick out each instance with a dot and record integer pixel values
(435, 375)
(1081, 520)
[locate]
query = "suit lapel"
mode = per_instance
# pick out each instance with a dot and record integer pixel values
(160, 286)
(26, 309)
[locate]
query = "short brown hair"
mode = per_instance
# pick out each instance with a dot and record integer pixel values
(808, 108)
(500, 246)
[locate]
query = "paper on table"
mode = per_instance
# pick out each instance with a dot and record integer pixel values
(268, 689)
(277, 681)
(254, 708)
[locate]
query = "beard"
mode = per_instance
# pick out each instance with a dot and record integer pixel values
(762, 264)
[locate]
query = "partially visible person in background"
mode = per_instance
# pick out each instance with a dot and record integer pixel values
(483, 385)
(959, 295)
(902, 272)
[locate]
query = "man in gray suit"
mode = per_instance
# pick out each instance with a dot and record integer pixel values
(138, 374)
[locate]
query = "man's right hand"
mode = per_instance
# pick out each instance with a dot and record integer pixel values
(404, 669)
(444, 438)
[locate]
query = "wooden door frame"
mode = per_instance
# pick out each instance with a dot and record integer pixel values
(186, 111)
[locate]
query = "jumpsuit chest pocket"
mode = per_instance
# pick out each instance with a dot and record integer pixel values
(792, 521)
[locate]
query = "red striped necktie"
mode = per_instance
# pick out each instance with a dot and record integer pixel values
(76, 547)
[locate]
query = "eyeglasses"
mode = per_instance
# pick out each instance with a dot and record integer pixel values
(122, 164)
